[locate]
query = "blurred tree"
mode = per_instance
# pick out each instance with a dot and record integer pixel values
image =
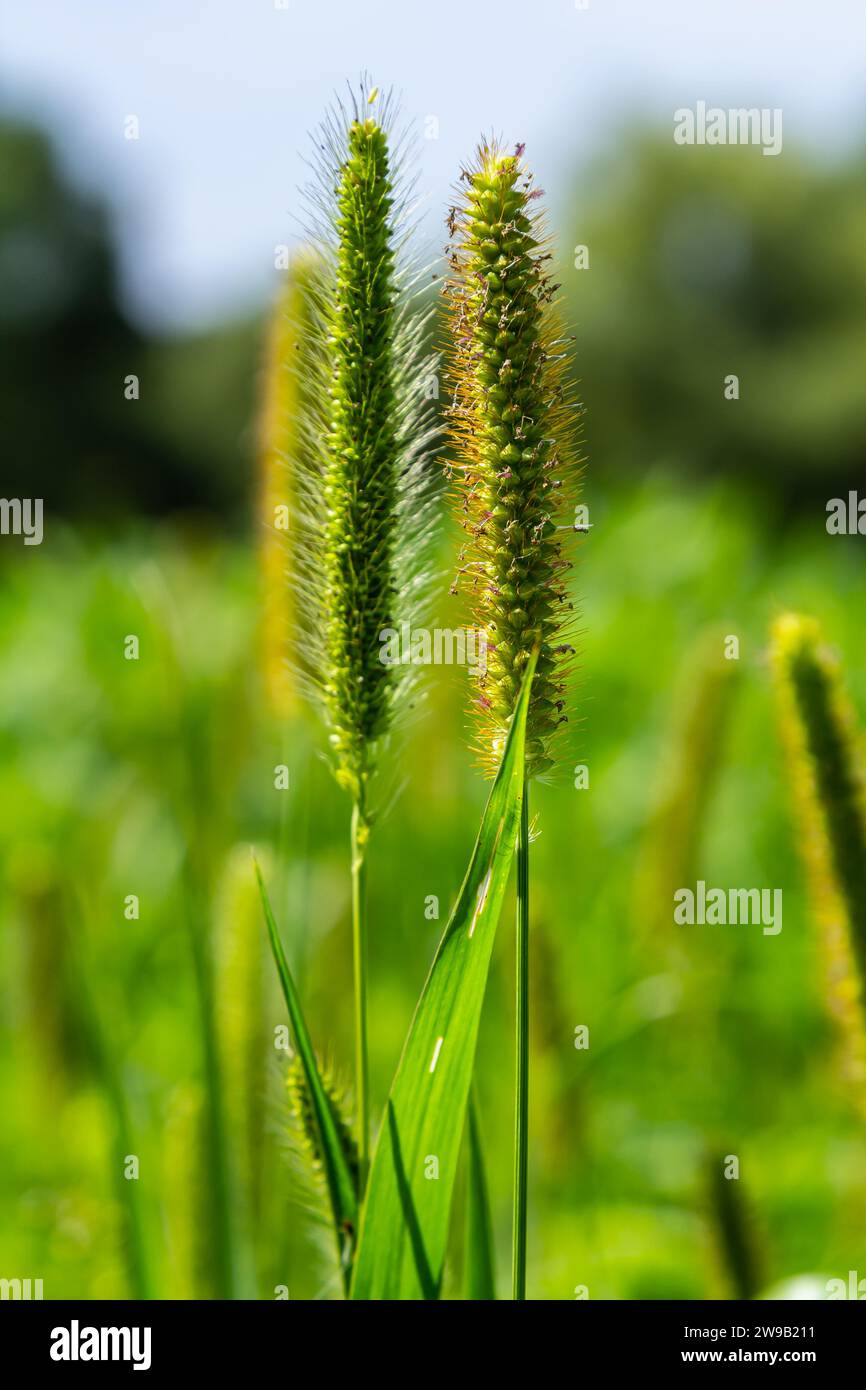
(70, 434)
(712, 262)
(704, 263)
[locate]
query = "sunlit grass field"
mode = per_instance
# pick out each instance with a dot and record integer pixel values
(152, 777)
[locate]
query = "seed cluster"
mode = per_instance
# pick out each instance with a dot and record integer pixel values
(830, 785)
(305, 1119)
(360, 487)
(512, 433)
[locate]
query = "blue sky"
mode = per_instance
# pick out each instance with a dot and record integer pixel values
(226, 91)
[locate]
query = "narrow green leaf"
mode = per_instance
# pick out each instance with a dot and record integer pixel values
(338, 1177)
(479, 1265)
(404, 1223)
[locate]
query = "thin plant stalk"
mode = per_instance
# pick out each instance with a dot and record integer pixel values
(479, 1259)
(359, 956)
(521, 1102)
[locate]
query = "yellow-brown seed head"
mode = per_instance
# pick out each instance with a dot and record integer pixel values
(512, 431)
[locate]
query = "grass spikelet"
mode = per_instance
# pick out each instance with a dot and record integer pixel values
(285, 407)
(306, 1148)
(826, 761)
(365, 520)
(304, 1116)
(361, 481)
(512, 428)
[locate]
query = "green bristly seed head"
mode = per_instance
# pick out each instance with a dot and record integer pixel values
(359, 461)
(512, 431)
(361, 482)
(303, 1114)
(827, 765)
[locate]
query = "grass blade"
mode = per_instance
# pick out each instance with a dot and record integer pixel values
(404, 1224)
(479, 1265)
(342, 1193)
(734, 1230)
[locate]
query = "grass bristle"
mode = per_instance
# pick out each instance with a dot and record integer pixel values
(285, 406)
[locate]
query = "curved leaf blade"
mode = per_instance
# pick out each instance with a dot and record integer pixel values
(404, 1222)
(338, 1177)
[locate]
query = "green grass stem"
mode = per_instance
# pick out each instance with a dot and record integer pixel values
(521, 1091)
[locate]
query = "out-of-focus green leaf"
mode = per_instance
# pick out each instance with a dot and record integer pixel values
(479, 1265)
(342, 1195)
(404, 1223)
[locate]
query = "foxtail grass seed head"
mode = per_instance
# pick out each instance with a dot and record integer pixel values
(512, 428)
(368, 498)
(361, 481)
(306, 1150)
(826, 758)
(304, 1117)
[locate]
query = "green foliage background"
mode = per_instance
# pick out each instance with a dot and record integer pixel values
(150, 776)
